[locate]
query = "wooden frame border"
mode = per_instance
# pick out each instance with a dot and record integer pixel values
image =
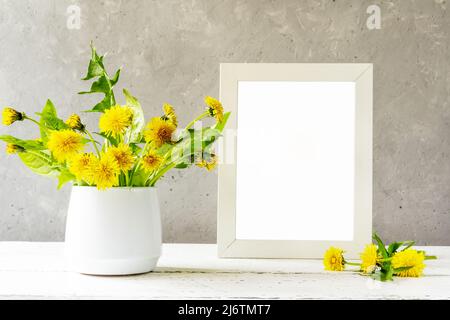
(362, 75)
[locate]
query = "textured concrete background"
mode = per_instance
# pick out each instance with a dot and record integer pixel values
(171, 50)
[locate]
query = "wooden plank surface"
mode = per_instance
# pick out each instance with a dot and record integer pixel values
(33, 270)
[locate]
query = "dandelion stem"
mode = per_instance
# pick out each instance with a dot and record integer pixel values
(36, 122)
(93, 141)
(40, 155)
(126, 179)
(122, 180)
(190, 124)
(136, 167)
(161, 173)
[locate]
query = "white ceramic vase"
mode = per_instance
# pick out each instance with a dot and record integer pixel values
(113, 232)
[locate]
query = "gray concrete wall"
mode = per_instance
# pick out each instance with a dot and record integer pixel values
(171, 50)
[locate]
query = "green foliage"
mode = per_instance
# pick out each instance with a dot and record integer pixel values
(49, 120)
(39, 163)
(394, 246)
(221, 125)
(194, 143)
(381, 246)
(96, 67)
(134, 133)
(26, 144)
(104, 84)
(112, 141)
(64, 177)
(135, 148)
(115, 79)
(181, 166)
(386, 271)
(140, 178)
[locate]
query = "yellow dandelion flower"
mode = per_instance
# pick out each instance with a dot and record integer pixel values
(123, 155)
(334, 259)
(409, 258)
(159, 131)
(105, 172)
(369, 258)
(13, 148)
(169, 114)
(65, 144)
(151, 161)
(74, 122)
(80, 166)
(9, 116)
(215, 108)
(209, 163)
(116, 120)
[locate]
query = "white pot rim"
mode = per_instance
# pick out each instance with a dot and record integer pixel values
(115, 188)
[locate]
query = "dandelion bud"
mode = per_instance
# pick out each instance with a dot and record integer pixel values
(10, 115)
(13, 148)
(215, 108)
(74, 122)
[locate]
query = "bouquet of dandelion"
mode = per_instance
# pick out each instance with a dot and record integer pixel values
(380, 261)
(132, 153)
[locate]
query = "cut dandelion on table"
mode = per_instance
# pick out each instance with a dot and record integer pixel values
(380, 261)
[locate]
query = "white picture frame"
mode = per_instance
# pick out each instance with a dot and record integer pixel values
(255, 80)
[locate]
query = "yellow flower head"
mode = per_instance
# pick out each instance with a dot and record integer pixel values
(169, 114)
(9, 116)
(74, 122)
(80, 166)
(209, 163)
(116, 120)
(65, 144)
(105, 172)
(123, 155)
(151, 161)
(215, 108)
(159, 131)
(334, 259)
(13, 148)
(369, 258)
(409, 258)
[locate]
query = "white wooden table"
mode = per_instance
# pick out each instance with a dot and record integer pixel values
(192, 271)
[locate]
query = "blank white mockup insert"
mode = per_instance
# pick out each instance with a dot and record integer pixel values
(295, 160)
